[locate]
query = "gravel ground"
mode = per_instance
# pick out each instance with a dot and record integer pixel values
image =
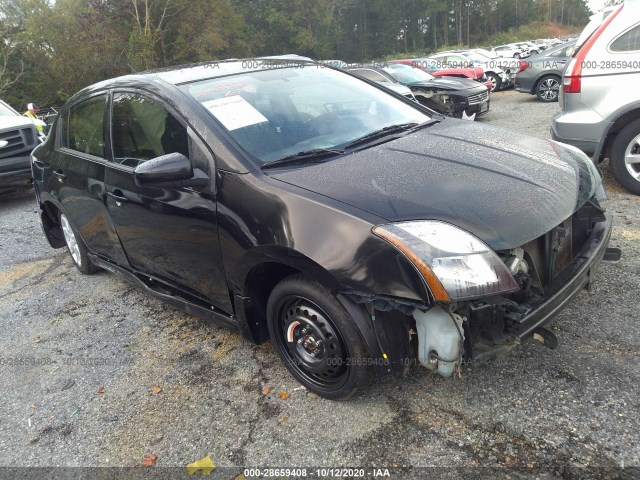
(109, 375)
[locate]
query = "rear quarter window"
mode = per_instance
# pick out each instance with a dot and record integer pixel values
(628, 41)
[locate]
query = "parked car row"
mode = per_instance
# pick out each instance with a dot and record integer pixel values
(455, 97)
(524, 49)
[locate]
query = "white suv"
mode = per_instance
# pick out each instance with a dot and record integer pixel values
(600, 98)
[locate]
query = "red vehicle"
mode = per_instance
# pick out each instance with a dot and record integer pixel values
(439, 69)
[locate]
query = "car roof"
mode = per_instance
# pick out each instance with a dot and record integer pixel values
(181, 74)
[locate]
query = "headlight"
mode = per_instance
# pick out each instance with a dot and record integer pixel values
(455, 264)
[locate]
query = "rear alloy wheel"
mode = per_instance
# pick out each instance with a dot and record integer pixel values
(317, 340)
(625, 157)
(548, 89)
(496, 83)
(76, 247)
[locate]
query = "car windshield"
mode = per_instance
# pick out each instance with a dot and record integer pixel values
(406, 73)
(276, 113)
(6, 111)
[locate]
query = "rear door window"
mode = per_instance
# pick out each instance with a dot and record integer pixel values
(86, 127)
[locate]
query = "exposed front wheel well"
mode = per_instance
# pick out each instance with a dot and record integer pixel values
(259, 284)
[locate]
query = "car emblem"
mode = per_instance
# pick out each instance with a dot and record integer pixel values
(3, 143)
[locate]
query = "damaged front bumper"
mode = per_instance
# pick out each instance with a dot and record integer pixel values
(578, 276)
(487, 328)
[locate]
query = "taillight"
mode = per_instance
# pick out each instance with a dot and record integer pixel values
(571, 84)
(523, 66)
(572, 80)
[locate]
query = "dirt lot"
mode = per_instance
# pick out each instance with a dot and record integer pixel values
(177, 387)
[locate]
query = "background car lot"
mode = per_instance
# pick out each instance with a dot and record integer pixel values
(66, 336)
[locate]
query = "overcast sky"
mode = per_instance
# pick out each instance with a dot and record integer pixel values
(596, 5)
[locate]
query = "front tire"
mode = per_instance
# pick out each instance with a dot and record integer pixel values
(77, 248)
(625, 157)
(317, 339)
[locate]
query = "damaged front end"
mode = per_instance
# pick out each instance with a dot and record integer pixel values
(486, 302)
(454, 103)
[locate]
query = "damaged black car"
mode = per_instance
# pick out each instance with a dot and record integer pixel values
(353, 228)
(451, 96)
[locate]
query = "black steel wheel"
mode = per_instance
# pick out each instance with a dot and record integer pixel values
(317, 340)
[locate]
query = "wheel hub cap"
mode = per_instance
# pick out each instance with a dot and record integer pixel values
(312, 342)
(549, 89)
(70, 239)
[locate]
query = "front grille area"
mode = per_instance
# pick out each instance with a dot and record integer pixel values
(478, 97)
(19, 141)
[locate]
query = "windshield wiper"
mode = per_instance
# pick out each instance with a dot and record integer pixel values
(314, 154)
(387, 131)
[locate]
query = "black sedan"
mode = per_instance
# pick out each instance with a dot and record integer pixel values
(541, 74)
(352, 227)
(452, 96)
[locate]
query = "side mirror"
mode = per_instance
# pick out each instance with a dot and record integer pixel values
(171, 170)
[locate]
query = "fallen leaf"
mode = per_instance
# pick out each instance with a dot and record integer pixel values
(204, 466)
(157, 389)
(149, 460)
(37, 340)
(101, 390)
(283, 395)
(266, 390)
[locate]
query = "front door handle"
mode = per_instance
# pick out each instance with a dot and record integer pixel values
(119, 199)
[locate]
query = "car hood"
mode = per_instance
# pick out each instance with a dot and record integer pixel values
(447, 83)
(506, 189)
(10, 121)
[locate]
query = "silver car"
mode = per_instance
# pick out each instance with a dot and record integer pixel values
(541, 75)
(509, 51)
(600, 99)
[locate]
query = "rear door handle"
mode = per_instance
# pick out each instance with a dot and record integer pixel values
(61, 176)
(119, 199)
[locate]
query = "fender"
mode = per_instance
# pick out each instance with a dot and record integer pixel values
(600, 149)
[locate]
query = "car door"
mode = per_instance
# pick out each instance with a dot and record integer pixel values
(77, 175)
(168, 233)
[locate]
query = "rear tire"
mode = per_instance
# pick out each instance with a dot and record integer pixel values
(317, 339)
(548, 89)
(76, 247)
(496, 82)
(625, 157)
